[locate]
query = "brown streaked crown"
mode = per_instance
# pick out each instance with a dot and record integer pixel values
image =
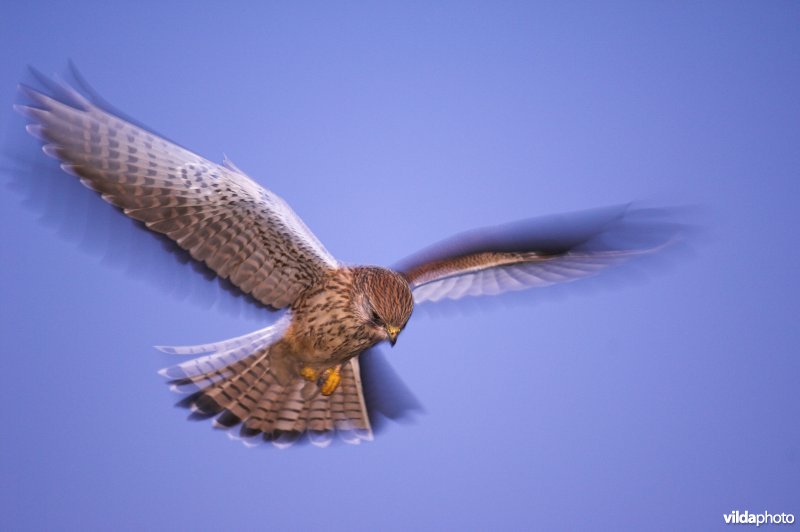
(388, 293)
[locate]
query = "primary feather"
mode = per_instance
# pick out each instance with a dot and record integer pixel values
(534, 253)
(241, 230)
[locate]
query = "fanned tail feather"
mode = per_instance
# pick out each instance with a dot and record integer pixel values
(232, 382)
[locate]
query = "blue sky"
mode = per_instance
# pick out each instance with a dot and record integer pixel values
(661, 401)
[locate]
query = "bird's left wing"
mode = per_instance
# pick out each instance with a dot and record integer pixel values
(242, 231)
(534, 253)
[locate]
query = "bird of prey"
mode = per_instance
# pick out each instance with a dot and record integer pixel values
(301, 374)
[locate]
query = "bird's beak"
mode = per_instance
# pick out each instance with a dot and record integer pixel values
(392, 332)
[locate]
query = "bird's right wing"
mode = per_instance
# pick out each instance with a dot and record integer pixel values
(534, 253)
(242, 231)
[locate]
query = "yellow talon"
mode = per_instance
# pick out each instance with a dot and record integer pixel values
(309, 374)
(329, 380)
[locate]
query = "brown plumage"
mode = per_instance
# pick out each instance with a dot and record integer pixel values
(300, 375)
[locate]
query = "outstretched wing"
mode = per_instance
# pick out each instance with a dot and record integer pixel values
(534, 253)
(241, 230)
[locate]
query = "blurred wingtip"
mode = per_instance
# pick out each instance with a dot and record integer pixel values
(615, 244)
(546, 234)
(36, 131)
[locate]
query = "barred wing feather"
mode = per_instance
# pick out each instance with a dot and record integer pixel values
(241, 230)
(536, 253)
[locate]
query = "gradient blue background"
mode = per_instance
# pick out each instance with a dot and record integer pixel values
(660, 403)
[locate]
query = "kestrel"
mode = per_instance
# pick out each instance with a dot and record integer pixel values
(301, 374)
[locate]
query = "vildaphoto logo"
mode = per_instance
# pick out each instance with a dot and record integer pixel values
(746, 518)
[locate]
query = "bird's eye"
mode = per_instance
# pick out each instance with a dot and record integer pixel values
(375, 318)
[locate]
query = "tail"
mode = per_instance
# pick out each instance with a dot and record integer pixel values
(233, 381)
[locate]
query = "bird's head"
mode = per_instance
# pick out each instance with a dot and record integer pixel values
(386, 304)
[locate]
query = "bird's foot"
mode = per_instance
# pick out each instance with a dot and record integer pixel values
(309, 373)
(329, 380)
